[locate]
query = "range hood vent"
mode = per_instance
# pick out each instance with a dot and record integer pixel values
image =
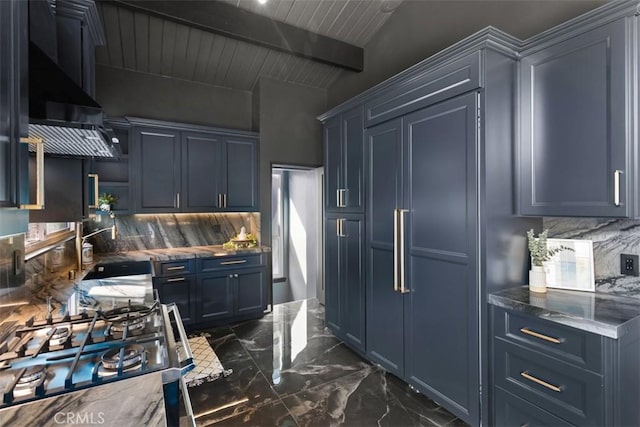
(69, 121)
(76, 142)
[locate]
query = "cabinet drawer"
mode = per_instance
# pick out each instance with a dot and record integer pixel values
(564, 390)
(220, 263)
(425, 89)
(577, 347)
(512, 411)
(175, 268)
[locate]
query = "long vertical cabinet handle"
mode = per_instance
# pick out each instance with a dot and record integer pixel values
(96, 183)
(616, 187)
(178, 199)
(403, 261)
(339, 198)
(395, 249)
(39, 143)
(219, 200)
(224, 198)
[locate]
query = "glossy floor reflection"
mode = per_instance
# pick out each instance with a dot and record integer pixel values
(289, 370)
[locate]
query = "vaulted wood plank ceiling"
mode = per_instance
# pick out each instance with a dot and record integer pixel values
(149, 44)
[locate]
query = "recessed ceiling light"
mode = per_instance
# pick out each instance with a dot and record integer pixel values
(262, 1)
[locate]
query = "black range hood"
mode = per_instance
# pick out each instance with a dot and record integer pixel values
(62, 114)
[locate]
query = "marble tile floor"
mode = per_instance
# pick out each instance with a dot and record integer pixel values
(289, 371)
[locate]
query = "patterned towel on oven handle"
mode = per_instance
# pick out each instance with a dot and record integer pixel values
(208, 367)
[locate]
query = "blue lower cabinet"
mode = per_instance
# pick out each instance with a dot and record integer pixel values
(215, 296)
(513, 411)
(214, 291)
(538, 384)
(181, 291)
(344, 278)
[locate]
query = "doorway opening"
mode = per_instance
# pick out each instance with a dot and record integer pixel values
(296, 233)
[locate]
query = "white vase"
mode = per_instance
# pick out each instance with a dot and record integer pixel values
(537, 279)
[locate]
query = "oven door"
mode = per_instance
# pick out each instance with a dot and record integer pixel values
(180, 362)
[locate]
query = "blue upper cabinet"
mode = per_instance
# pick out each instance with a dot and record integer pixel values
(344, 162)
(187, 168)
(576, 99)
(157, 170)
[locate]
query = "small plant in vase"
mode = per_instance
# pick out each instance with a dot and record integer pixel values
(106, 202)
(540, 254)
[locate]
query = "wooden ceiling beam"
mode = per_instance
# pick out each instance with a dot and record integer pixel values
(230, 21)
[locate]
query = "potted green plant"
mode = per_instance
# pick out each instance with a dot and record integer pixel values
(540, 254)
(107, 201)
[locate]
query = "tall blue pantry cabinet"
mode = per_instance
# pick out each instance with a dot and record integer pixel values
(439, 226)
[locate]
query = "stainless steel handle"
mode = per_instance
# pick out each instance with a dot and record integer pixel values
(187, 364)
(224, 200)
(545, 384)
(338, 195)
(219, 200)
(340, 227)
(96, 179)
(395, 249)
(403, 264)
(345, 193)
(241, 261)
(39, 204)
(178, 200)
(180, 267)
(540, 336)
(187, 403)
(616, 186)
(177, 279)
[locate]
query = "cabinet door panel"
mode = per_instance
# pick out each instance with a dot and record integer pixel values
(332, 162)
(215, 296)
(250, 291)
(241, 169)
(202, 172)
(441, 335)
(332, 274)
(384, 312)
(353, 144)
(574, 133)
(63, 180)
(353, 282)
(181, 291)
(158, 159)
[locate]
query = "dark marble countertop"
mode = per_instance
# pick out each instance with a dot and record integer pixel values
(30, 299)
(170, 254)
(609, 315)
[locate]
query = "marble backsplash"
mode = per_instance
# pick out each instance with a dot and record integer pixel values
(611, 237)
(149, 231)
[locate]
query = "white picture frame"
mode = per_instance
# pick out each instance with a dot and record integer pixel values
(571, 270)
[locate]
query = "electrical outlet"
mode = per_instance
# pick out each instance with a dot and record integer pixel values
(629, 265)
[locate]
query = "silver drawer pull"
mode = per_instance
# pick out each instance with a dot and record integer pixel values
(242, 261)
(545, 384)
(541, 336)
(177, 279)
(180, 267)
